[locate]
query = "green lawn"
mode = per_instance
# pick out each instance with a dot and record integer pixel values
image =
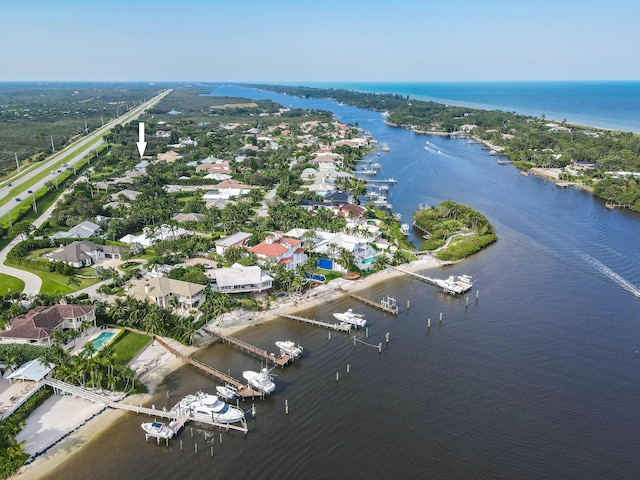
(53, 283)
(128, 345)
(10, 284)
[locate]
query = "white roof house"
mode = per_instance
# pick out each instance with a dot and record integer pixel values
(150, 236)
(240, 279)
(85, 229)
(238, 239)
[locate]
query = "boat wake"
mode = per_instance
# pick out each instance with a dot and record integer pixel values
(610, 273)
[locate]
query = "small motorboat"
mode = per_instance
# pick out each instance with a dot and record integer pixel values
(227, 392)
(158, 429)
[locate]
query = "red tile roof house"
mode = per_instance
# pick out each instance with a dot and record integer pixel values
(280, 250)
(36, 326)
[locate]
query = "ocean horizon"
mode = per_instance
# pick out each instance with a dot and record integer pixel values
(611, 104)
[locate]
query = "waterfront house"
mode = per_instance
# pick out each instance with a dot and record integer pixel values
(280, 250)
(37, 326)
(162, 291)
(240, 279)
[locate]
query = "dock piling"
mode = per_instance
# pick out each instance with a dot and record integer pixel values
(347, 368)
(387, 337)
(380, 347)
(440, 317)
(429, 323)
(286, 407)
(337, 376)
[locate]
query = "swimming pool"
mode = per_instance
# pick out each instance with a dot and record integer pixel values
(101, 340)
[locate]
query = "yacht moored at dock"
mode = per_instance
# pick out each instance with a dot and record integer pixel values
(352, 318)
(260, 380)
(287, 347)
(208, 407)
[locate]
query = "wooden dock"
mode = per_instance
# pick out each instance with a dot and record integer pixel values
(281, 360)
(452, 286)
(244, 391)
(387, 306)
(341, 327)
(612, 206)
(180, 420)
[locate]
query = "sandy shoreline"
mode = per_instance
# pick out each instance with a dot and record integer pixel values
(153, 365)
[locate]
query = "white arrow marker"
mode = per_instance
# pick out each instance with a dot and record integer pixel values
(141, 144)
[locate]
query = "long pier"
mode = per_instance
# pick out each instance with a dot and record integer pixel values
(388, 307)
(180, 420)
(452, 285)
(341, 327)
(243, 390)
(281, 360)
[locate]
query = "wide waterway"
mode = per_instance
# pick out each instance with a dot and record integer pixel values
(537, 379)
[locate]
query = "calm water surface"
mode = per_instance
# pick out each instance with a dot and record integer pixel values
(537, 379)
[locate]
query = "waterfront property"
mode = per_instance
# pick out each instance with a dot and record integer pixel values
(36, 327)
(239, 279)
(281, 250)
(162, 291)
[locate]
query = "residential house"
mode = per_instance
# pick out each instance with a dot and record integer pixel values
(240, 279)
(128, 194)
(169, 156)
(84, 253)
(280, 250)
(162, 291)
(85, 229)
(188, 217)
(149, 236)
(238, 239)
(215, 166)
(339, 197)
(37, 326)
(228, 189)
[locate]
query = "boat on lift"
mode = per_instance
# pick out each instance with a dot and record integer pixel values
(227, 392)
(159, 429)
(356, 319)
(261, 380)
(287, 347)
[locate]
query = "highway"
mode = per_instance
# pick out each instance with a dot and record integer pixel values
(80, 149)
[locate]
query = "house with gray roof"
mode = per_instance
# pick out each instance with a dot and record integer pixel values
(85, 229)
(84, 253)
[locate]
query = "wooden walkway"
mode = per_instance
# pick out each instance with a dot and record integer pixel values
(180, 420)
(450, 286)
(281, 360)
(243, 390)
(393, 310)
(341, 327)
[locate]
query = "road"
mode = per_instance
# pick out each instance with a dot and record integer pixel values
(80, 148)
(32, 282)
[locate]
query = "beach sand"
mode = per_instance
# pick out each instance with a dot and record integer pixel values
(64, 424)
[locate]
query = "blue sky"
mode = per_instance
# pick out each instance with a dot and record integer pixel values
(323, 40)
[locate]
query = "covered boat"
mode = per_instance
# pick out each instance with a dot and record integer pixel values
(227, 392)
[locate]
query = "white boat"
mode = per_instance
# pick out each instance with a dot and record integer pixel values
(385, 147)
(227, 392)
(351, 317)
(208, 407)
(158, 429)
(287, 347)
(404, 228)
(456, 284)
(260, 380)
